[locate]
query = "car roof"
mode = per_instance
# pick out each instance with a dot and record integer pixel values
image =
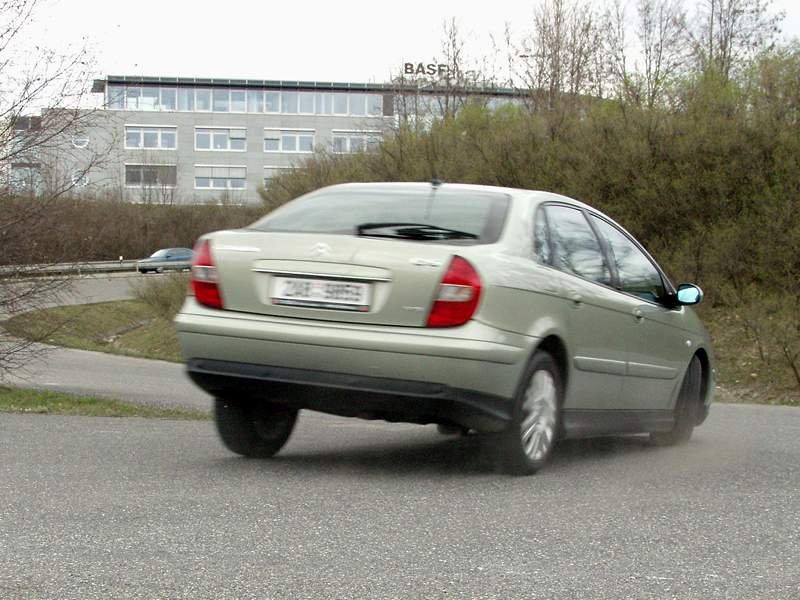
(417, 186)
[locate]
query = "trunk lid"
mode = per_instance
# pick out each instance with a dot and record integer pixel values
(269, 273)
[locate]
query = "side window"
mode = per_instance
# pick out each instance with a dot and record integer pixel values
(541, 247)
(637, 275)
(575, 246)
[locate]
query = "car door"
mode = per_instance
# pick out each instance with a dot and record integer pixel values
(660, 349)
(598, 320)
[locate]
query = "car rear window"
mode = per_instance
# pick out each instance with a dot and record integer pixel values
(342, 211)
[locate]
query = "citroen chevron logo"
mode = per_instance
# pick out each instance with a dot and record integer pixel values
(320, 249)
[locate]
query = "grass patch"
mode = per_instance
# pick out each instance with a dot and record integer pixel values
(19, 400)
(143, 327)
(741, 371)
(127, 327)
(164, 295)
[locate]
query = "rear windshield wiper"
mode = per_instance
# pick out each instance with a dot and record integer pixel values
(412, 231)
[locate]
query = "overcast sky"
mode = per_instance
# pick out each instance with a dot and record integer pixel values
(293, 40)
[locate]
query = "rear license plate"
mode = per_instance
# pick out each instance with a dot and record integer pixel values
(321, 293)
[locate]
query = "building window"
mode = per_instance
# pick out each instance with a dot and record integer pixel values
(355, 141)
(324, 104)
(26, 177)
(272, 102)
(132, 97)
(255, 101)
(168, 98)
(218, 138)
(148, 100)
(202, 99)
(206, 99)
(238, 101)
(288, 140)
(289, 102)
(80, 179)
(340, 104)
(221, 100)
(271, 172)
(210, 177)
(375, 105)
(80, 142)
(150, 138)
(142, 176)
(186, 99)
(358, 104)
(306, 100)
(115, 97)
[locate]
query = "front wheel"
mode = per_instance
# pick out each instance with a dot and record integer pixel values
(531, 436)
(686, 410)
(252, 428)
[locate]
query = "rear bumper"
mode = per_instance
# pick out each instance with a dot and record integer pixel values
(465, 375)
(352, 395)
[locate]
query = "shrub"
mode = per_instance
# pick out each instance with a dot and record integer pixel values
(164, 294)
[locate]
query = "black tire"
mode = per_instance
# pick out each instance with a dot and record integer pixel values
(515, 458)
(252, 428)
(687, 409)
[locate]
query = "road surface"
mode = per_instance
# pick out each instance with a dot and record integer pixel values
(130, 508)
(133, 508)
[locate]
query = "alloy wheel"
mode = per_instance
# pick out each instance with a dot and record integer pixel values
(538, 418)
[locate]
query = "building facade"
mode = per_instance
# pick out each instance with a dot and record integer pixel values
(207, 140)
(185, 140)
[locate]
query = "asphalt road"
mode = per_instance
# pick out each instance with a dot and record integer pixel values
(125, 378)
(129, 508)
(106, 375)
(92, 288)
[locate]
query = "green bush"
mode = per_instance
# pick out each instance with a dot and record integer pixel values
(165, 295)
(73, 229)
(708, 180)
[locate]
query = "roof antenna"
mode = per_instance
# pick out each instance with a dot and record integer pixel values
(436, 183)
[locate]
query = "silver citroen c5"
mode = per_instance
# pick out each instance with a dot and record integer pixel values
(519, 313)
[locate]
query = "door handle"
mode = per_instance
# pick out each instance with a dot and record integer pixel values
(637, 312)
(576, 298)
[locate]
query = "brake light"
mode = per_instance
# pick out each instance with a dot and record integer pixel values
(459, 293)
(204, 276)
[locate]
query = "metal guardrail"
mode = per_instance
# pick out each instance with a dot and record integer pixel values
(82, 268)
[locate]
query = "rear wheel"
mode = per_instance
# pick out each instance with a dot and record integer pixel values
(255, 429)
(686, 410)
(529, 440)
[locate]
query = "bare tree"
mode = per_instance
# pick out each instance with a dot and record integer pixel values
(42, 157)
(727, 33)
(641, 69)
(560, 53)
(449, 80)
(661, 27)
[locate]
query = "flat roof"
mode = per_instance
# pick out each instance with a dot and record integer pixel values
(100, 85)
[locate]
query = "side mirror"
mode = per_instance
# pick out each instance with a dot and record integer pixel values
(688, 294)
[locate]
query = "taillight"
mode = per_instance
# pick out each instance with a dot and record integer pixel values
(458, 296)
(204, 276)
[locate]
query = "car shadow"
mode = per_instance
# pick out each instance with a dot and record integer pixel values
(470, 455)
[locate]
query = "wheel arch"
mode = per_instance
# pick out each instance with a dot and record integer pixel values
(555, 347)
(706, 382)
